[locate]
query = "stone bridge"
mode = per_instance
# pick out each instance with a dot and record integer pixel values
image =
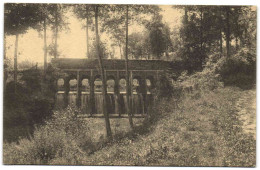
(80, 85)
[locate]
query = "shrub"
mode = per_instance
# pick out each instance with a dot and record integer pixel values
(162, 88)
(206, 80)
(33, 101)
(63, 139)
(240, 69)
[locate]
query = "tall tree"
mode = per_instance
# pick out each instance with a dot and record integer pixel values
(85, 12)
(139, 45)
(42, 27)
(159, 36)
(129, 112)
(227, 11)
(120, 18)
(18, 19)
(57, 20)
(136, 10)
(101, 66)
(50, 16)
(205, 28)
(202, 34)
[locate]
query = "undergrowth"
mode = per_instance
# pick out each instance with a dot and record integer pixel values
(203, 129)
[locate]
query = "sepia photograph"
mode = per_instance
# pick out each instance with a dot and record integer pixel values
(129, 84)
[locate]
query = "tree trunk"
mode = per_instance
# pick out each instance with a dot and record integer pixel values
(227, 32)
(220, 31)
(4, 45)
(15, 61)
(220, 42)
(87, 32)
(56, 33)
(5, 65)
(201, 39)
(45, 45)
(129, 109)
(104, 89)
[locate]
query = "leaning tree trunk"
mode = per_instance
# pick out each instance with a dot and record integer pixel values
(45, 45)
(129, 109)
(15, 62)
(104, 89)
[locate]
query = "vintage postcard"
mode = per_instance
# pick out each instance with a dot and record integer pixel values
(129, 85)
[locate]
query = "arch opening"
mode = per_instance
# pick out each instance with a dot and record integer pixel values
(148, 83)
(110, 86)
(136, 86)
(98, 85)
(60, 84)
(85, 85)
(73, 84)
(72, 98)
(122, 85)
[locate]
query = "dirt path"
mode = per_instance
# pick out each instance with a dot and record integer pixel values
(246, 106)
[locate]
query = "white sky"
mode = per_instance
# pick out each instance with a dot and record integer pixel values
(72, 43)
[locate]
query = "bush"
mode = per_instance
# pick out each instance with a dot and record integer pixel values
(240, 69)
(162, 88)
(206, 80)
(33, 101)
(63, 139)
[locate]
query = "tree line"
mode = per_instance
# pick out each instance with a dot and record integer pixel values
(208, 30)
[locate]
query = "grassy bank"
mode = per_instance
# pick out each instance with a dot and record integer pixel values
(204, 130)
